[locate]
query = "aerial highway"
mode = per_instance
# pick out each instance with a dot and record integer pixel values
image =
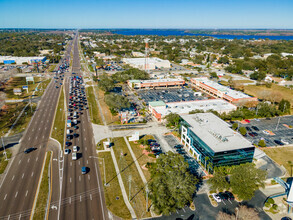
(82, 194)
(19, 184)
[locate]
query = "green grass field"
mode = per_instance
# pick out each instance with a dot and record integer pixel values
(128, 171)
(59, 123)
(3, 161)
(40, 209)
(113, 194)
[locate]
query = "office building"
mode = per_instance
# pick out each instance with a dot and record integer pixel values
(212, 142)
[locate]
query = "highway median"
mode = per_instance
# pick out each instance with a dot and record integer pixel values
(43, 194)
(59, 122)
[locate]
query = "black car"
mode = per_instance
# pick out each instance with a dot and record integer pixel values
(230, 195)
(255, 128)
(248, 128)
(75, 135)
(29, 150)
(278, 142)
(178, 146)
(223, 196)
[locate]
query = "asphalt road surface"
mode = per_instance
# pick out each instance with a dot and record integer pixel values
(19, 185)
(82, 194)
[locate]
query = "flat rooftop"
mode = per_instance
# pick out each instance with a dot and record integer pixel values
(230, 92)
(218, 105)
(215, 132)
(142, 60)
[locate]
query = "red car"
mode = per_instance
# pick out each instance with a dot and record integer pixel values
(247, 120)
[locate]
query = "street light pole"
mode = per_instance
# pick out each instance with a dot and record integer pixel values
(4, 148)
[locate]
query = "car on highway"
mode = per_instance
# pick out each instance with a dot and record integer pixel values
(75, 135)
(75, 127)
(74, 156)
(66, 151)
(216, 197)
(278, 142)
(75, 148)
(29, 150)
(83, 170)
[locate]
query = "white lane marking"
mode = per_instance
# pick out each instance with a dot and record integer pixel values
(80, 198)
(12, 178)
(5, 196)
(91, 197)
(78, 162)
(43, 136)
(39, 129)
(84, 129)
(37, 158)
(79, 178)
(26, 193)
(33, 129)
(28, 160)
(70, 179)
(22, 176)
(87, 161)
(42, 121)
(36, 138)
(45, 128)
(85, 148)
(85, 139)
(29, 138)
(19, 162)
(70, 163)
(89, 177)
(16, 194)
(32, 174)
(19, 217)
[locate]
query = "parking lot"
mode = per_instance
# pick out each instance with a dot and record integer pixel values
(169, 95)
(274, 131)
(193, 164)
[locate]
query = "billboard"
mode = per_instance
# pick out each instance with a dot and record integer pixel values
(29, 78)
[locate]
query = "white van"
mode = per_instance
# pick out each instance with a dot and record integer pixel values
(74, 156)
(68, 131)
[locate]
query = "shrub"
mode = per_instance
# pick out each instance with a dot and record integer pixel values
(275, 206)
(262, 143)
(271, 201)
(152, 155)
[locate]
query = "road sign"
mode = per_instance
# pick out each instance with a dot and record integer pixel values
(29, 78)
(24, 87)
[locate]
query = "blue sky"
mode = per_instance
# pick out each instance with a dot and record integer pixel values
(146, 14)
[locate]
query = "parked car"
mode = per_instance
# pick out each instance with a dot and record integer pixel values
(255, 128)
(251, 134)
(75, 148)
(216, 197)
(178, 146)
(266, 132)
(246, 120)
(230, 195)
(74, 156)
(67, 151)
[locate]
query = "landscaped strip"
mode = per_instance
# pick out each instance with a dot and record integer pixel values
(132, 181)
(113, 194)
(59, 123)
(3, 161)
(42, 197)
(93, 107)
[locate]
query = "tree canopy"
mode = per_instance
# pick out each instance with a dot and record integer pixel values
(172, 185)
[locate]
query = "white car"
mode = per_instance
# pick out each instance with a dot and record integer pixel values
(284, 141)
(67, 151)
(74, 156)
(266, 132)
(216, 197)
(75, 148)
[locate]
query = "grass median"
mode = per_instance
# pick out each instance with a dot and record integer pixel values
(93, 107)
(132, 181)
(143, 158)
(42, 197)
(59, 123)
(3, 161)
(113, 194)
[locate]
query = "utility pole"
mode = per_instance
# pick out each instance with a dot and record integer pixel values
(129, 179)
(4, 148)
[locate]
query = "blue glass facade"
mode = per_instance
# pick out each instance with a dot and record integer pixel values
(213, 159)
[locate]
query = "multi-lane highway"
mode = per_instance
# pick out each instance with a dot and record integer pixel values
(19, 185)
(82, 194)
